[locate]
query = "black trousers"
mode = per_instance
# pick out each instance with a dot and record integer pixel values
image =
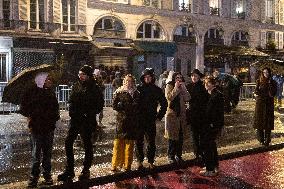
(175, 146)
(209, 148)
(196, 138)
(86, 136)
(147, 129)
(263, 136)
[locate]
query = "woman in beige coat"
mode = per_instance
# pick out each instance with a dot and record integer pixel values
(175, 123)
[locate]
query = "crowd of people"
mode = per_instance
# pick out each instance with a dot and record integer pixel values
(199, 104)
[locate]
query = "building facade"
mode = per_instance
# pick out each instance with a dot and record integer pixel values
(163, 34)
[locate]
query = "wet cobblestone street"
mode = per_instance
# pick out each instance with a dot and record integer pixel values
(262, 170)
(15, 149)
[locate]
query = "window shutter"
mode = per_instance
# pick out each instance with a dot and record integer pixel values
(23, 10)
(82, 7)
(56, 11)
(276, 39)
(281, 14)
(276, 12)
(280, 40)
(195, 7)
(263, 39)
(233, 10)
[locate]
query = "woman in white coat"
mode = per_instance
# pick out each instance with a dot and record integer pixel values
(175, 123)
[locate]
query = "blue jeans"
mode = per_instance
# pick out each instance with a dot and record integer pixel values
(41, 144)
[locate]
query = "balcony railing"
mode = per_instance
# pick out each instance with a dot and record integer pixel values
(270, 20)
(184, 39)
(241, 15)
(215, 11)
(109, 33)
(185, 7)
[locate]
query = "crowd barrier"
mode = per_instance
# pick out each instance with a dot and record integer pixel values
(63, 93)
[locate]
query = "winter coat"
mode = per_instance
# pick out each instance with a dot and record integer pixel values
(86, 101)
(41, 106)
(214, 114)
(150, 97)
(264, 108)
(127, 117)
(197, 103)
(175, 122)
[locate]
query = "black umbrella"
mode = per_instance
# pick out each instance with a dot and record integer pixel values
(18, 85)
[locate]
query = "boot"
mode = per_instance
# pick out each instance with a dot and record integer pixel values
(85, 174)
(32, 183)
(66, 176)
(267, 138)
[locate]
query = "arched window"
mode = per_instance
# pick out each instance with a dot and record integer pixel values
(240, 38)
(184, 33)
(109, 27)
(214, 36)
(150, 30)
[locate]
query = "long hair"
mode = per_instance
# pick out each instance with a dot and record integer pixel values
(262, 78)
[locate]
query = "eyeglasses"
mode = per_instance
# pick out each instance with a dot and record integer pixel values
(178, 77)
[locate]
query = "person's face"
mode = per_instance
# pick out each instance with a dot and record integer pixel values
(148, 78)
(129, 82)
(82, 76)
(209, 86)
(178, 78)
(195, 78)
(215, 74)
(265, 73)
(48, 82)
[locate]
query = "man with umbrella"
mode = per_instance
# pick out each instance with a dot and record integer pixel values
(40, 106)
(86, 101)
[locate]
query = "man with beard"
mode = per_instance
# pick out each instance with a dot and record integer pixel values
(150, 97)
(86, 101)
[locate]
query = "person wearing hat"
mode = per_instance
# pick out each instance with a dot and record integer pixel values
(197, 107)
(86, 101)
(150, 97)
(40, 106)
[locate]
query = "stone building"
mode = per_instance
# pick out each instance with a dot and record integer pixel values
(163, 34)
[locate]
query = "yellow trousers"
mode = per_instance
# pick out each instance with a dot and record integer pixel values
(122, 153)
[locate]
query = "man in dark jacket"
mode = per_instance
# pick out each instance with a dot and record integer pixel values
(40, 106)
(214, 116)
(86, 101)
(197, 107)
(150, 97)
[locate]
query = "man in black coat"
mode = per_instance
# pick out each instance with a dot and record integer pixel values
(197, 109)
(40, 106)
(86, 101)
(214, 116)
(150, 97)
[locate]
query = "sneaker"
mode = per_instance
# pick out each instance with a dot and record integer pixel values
(140, 166)
(207, 173)
(32, 183)
(66, 176)
(172, 160)
(179, 160)
(152, 166)
(85, 174)
(47, 181)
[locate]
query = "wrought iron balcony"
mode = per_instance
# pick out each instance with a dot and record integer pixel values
(185, 7)
(184, 39)
(241, 15)
(215, 11)
(270, 20)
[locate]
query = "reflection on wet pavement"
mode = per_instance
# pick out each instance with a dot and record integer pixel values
(263, 170)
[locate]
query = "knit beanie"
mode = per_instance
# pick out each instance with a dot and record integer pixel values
(88, 70)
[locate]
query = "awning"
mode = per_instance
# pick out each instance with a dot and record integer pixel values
(167, 48)
(114, 48)
(277, 66)
(221, 51)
